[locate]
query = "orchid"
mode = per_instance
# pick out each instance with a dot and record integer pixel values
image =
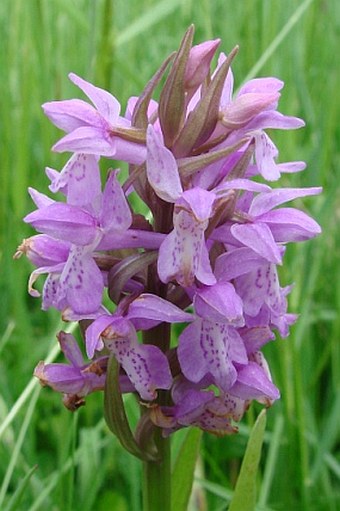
(93, 129)
(207, 254)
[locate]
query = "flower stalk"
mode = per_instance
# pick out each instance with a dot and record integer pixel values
(206, 255)
(157, 477)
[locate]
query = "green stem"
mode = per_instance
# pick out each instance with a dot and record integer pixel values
(157, 478)
(157, 474)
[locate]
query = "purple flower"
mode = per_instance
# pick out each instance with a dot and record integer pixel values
(76, 379)
(80, 283)
(210, 244)
(198, 65)
(145, 365)
(161, 168)
(79, 179)
(264, 227)
(257, 284)
(211, 345)
(196, 405)
(92, 129)
(251, 111)
(183, 255)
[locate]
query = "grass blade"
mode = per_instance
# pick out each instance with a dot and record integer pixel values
(244, 498)
(15, 500)
(183, 471)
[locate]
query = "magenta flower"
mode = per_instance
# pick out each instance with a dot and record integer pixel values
(92, 129)
(205, 254)
(145, 365)
(76, 379)
(79, 179)
(80, 283)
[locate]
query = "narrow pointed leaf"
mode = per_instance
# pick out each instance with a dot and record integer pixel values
(241, 166)
(130, 134)
(244, 498)
(172, 98)
(183, 471)
(115, 415)
(13, 503)
(140, 112)
(190, 165)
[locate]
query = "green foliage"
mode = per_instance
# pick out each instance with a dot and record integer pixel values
(183, 471)
(244, 498)
(119, 45)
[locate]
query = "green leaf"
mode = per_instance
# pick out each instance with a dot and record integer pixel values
(111, 500)
(16, 498)
(183, 471)
(244, 498)
(115, 415)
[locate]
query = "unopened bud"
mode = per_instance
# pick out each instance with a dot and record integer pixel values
(198, 65)
(245, 107)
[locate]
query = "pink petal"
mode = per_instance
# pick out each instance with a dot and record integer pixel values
(71, 349)
(50, 269)
(40, 199)
(266, 85)
(264, 202)
(204, 271)
(161, 168)
(50, 291)
(182, 256)
(254, 338)
(275, 120)
(132, 238)
(65, 222)
(116, 213)
(145, 365)
(198, 65)
(93, 332)
(81, 283)
(43, 250)
(265, 154)
(290, 224)
(81, 178)
(228, 86)
(89, 140)
(219, 302)
(200, 202)
(237, 262)
(245, 107)
(258, 288)
(291, 166)
(60, 377)
(130, 152)
(204, 350)
(259, 238)
(71, 114)
(153, 307)
(147, 368)
(241, 184)
(252, 382)
(108, 106)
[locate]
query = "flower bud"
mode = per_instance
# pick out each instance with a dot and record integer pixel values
(198, 64)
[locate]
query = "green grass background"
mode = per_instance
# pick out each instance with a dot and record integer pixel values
(118, 44)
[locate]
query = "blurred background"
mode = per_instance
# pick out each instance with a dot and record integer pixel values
(118, 45)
